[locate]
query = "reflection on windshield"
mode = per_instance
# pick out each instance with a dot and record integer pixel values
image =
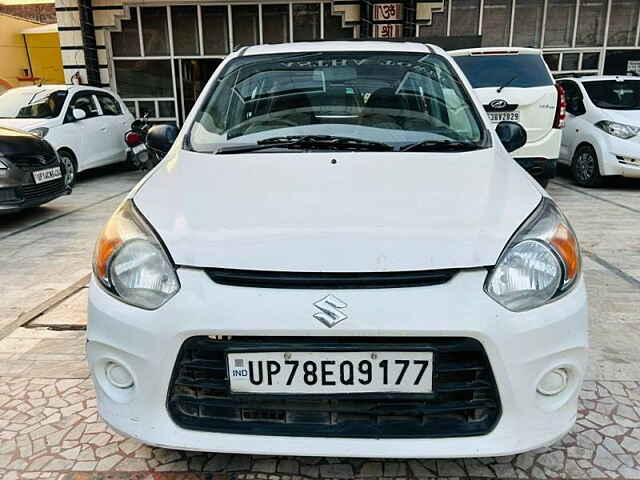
(29, 104)
(395, 98)
(614, 95)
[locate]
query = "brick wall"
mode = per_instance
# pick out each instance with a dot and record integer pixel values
(39, 12)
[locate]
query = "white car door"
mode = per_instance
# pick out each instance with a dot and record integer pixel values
(575, 112)
(118, 123)
(83, 136)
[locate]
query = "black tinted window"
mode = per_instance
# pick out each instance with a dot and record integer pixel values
(614, 95)
(575, 106)
(109, 104)
(523, 70)
(82, 101)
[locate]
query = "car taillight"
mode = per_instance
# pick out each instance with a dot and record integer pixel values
(561, 108)
(133, 138)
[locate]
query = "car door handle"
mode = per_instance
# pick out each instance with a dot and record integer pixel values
(103, 129)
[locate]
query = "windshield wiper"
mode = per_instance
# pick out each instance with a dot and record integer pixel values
(302, 142)
(440, 146)
(505, 85)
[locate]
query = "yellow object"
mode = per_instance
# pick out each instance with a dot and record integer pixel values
(18, 49)
(44, 50)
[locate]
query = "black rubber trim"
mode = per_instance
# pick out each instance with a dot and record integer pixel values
(510, 107)
(323, 280)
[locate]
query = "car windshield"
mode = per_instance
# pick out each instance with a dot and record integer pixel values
(18, 103)
(614, 95)
(395, 98)
(513, 70)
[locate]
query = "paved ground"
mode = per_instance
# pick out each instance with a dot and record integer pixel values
(44, 250)
(48, 422)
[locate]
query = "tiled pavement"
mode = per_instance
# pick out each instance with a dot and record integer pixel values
(49, 427)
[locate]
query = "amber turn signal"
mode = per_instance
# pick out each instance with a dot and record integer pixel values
(566, 245)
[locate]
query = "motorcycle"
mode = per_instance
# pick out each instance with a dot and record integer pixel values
(135, 138)
(159, 140)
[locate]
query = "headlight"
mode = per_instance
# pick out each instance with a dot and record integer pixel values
(131, 263)
(3, 166)
(619, 130)
(40, 131)
(541, 262)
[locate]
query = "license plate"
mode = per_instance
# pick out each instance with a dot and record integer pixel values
(331, 372)
(497, 117)
(46, 175)
(139, 148)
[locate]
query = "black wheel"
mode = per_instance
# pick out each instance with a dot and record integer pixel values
(585, 168)
(70, 167)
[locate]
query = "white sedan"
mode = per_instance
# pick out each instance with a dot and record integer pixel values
(338, 257)
(85, 125)
(602, 133)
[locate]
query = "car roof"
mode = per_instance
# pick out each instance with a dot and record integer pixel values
(340, 46)
(54, 87)
(494, 51)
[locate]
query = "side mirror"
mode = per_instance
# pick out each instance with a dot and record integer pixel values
(512, 135)
(161, 137)
(78, 114)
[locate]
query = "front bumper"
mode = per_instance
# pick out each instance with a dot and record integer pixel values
(619, 156)
(18, 189)
(521, 348)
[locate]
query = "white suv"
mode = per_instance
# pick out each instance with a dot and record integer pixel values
(84, 124)
(602, 136)
(516, 84)
(338, 257)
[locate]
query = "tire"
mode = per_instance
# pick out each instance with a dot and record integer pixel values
(585, 169)
(70, 167)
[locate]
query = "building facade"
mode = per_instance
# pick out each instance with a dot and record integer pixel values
(158, 54)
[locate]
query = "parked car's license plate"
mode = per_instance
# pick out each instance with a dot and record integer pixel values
(41, 176)
(504, 116)
(139, 148)
(330, 372)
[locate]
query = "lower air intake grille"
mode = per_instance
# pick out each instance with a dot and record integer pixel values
(43, 190)
(464, 401)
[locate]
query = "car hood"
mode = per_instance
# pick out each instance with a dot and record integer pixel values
(367, 212)
(19, 143)
(628, 117)
(24, 123)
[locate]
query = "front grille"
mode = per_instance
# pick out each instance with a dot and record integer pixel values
(42, 190)
(464, 402)
(324, 280)
(34, 162)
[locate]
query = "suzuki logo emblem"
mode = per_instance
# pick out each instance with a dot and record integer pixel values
(330, 311)
(498, 104)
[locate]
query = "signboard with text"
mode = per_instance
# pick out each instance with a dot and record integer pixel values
(387, 11)
(387, 30)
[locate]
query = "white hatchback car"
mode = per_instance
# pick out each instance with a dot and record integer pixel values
(338, 257)
(602, 136)
(85, 125)
(516, 84)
